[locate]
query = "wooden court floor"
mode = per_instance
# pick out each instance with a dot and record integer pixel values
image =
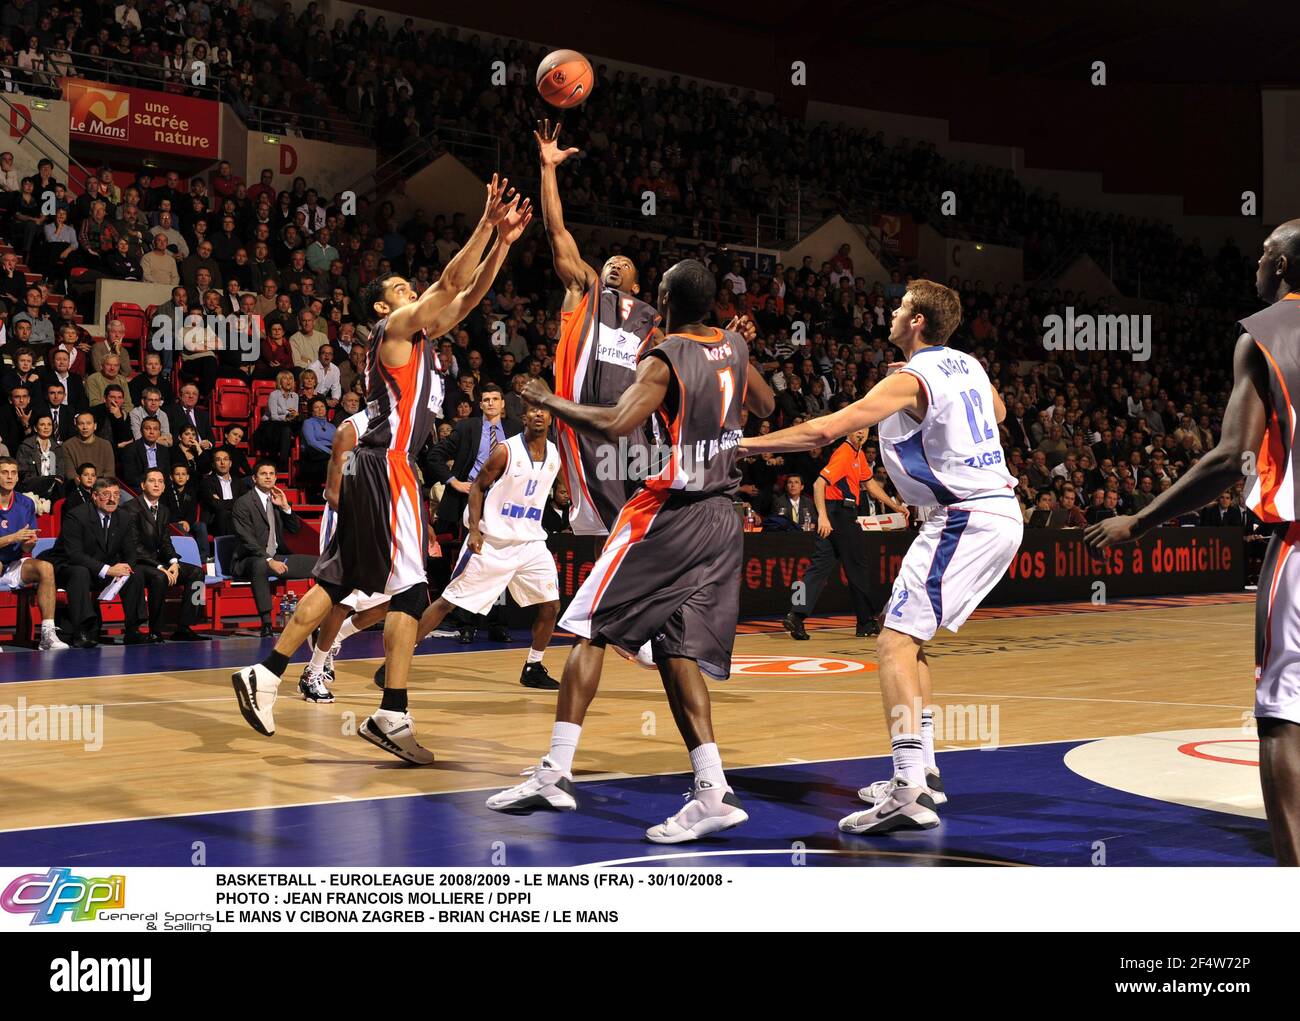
(174, 742)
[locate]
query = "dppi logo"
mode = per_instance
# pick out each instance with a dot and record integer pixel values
(47, 898)
(797, 666)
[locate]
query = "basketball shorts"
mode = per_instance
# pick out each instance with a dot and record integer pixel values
(526, 569)
(960, 553)
(669, 574)
(356, 600)
(1277, 629)
(378, 545)
(11, 576)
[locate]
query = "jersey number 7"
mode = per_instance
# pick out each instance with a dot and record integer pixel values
(727, 384)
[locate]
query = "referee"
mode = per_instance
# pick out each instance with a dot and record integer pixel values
(839, 536)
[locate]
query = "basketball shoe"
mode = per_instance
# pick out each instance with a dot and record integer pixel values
(708, 809)
(933, 787)
(904, 806)
(547, 786)
(394, 732)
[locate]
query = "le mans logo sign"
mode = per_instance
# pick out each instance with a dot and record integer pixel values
(157, 122)
(98, 111)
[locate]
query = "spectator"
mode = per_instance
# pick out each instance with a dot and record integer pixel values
(159, 567)
(262, 517)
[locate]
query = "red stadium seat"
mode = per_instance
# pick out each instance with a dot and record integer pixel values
(137, 326)
(232, 402)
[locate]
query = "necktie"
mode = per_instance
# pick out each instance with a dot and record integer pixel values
(270, 530)
(107, 525)
(192, 422)
(153, 513)
(492, 440)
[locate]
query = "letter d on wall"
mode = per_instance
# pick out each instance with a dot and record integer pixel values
(20, 120)
(288, 159)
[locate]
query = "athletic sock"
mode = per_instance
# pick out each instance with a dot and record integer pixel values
(394, 700)
(534, 656)
(707, 763)
(564, 745)
(47, 626)
(927, 737)
(346, 630)
(909, 758)
(277, 663)
(319, 657)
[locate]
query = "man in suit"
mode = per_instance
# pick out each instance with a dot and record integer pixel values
(467, 448)
(58, 369)
(146, 452)
(188, 412)
(63, 417)
(261, 518)
(1224, 513)
(218, 491)
(94, 548)
(160, 567)
(794, 505)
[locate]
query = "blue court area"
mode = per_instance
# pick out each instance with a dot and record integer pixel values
(1012, 806)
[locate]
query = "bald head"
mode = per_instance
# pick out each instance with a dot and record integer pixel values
(1279, 265)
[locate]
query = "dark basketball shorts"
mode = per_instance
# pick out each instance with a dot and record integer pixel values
(379, 542)
(670, 575)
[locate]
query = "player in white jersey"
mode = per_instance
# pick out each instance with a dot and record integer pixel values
(360, 609)
(505, 546)
(938, 420)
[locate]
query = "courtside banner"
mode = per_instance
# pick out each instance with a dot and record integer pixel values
(159, 122)
(1052, 565)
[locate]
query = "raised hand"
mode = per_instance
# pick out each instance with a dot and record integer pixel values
(536, 392)
(744, 326)
(516, 221)
(500, 197)
(547, 147)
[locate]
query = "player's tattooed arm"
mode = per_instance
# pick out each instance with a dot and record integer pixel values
(636, 404)
(898, 392)
(1243, 431)
(492, 469)
(574, 273)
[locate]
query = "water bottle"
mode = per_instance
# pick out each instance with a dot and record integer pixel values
(284, 606)
(293, 605)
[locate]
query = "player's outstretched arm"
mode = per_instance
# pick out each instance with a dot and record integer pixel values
(466, 300)
(1243, 429)
(492, 469)
(898, 392)
(877, 492)
(345, 440)
(573, 271)
(638, 402)
(460, 267)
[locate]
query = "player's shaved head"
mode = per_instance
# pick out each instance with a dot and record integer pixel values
(1279, 265)
(688, 291)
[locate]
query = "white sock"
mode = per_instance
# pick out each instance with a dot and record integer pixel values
(346, 630)
(534, 656)
(707, 763)
(564, 745)
(319, 656)
(927, 737)
(47, 627)
(909, 758)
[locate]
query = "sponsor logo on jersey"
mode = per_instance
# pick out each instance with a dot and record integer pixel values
(617, 347)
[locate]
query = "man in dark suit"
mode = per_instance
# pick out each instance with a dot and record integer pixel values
(146, 452)
(467, 448)
(63, 417)
(94, 548)
(795, 505)
(159, 565)
(1224, 513)
(188, 412)
(261, 518)
(74, 387)
(218, 491)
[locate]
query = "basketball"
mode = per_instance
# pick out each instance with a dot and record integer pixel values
(565, 78)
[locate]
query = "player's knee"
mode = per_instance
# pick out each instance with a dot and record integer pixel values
(412, 602)
(549, 611)
(894, 643)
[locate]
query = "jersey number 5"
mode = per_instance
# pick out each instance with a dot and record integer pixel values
(727, 384)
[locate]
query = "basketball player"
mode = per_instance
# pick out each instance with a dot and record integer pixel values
(380, 541)
(605, 329)
(360, 609)
(939, 440)
(505, 546)
(669, 573)
(1259, 423)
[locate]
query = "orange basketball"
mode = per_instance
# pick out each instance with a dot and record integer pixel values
(565, 78)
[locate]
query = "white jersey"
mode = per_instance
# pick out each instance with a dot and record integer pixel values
(512, 508)
(953, 454)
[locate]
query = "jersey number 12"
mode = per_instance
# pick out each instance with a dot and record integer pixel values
(979, 428)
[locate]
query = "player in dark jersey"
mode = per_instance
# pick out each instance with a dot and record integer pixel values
(1258, 428)
(669, 573)
(382, 530)
(605, 328)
